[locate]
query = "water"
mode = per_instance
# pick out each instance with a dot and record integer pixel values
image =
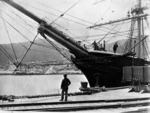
(37, 84)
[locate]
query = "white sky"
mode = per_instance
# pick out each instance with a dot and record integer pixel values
(104, 10)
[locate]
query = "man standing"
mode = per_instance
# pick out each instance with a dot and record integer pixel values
(64, 86)
(115, 47)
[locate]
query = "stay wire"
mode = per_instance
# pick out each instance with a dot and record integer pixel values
(17, 23)
(144, 41)
(67, 30)
(9, 37)
(147, 50)
(103, 15)
(18, 31)
(108, 29)
(58, 49)
(6, 54)
(64, 12)
(24, 20)
(42, 45)
(13, 12)
(26, 52)
(130, 35)
(121, 33)
(37, 50)
(55, 15)
(67, 14)
(107, 33)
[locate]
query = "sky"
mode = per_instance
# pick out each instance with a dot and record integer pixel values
(92, 11)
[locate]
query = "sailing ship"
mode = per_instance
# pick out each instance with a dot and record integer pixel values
(100, 67)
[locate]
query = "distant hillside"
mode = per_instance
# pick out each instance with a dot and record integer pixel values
(36, 53)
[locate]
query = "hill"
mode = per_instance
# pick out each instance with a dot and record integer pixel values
(41, 51)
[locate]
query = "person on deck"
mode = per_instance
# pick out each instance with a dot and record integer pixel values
(115, 47)
(64, 86)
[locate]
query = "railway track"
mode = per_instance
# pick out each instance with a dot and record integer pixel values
(76, 105)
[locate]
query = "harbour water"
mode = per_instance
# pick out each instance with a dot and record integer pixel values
(20, 85)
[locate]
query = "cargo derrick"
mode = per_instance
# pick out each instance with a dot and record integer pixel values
(100, 68)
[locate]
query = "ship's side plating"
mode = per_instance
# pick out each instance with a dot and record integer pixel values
(105, 69)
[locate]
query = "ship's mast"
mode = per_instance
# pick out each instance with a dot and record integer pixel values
(137, 16)
(140, 46)
(139, 29)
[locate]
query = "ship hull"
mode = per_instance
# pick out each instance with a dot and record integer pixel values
(106, 69)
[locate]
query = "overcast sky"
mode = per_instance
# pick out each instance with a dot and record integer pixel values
(93, 11)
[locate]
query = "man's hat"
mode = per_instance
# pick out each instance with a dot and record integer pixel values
(65, 75)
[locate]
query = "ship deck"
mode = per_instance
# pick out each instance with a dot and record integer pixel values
(118, 100)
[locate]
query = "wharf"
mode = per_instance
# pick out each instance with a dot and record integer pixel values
(119, 100)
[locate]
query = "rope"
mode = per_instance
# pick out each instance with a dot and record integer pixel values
(108, 29)
(107, 34)
(58, 49)
(24, 20)
(7, 55)
(42, 45)
(54, 14)
(26, 37)
(147, 50)
(138, 43)
(17, 30)
(36, 50)
(83, 20)
(27, 51)
(144, 42)
(130, 35)
(102, 16)
(9, 36)
(64, 12)
(119, 34)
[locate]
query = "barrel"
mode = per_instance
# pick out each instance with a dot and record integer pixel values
(127, 73)
(84, 84)
(146, 74)
(138, 72)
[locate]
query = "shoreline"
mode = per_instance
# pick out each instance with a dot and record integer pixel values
(24, 74)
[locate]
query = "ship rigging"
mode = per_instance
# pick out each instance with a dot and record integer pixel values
(101, 68)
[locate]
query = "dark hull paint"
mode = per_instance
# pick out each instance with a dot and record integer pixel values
(106, 69)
